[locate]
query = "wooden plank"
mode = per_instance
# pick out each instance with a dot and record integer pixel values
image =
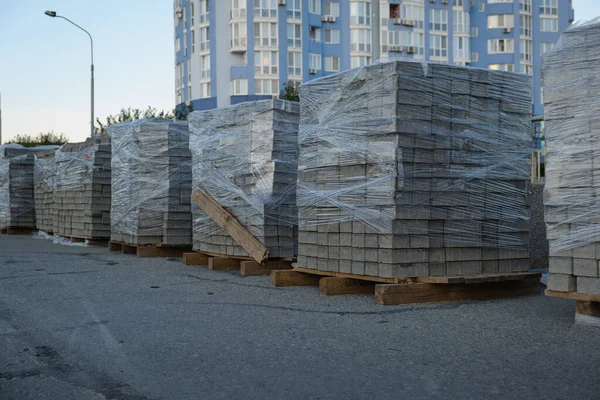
(352, 276)
(74, 239)
(429, 292)
(223, 264)
(157, 251)
(589, 308)
(231, 226)
(293, 278)
(195, 259)
(573, 295)
(126, 249)
(513, 276)
(114, 246)
(20, 231)
(252, 268)
(333, 285)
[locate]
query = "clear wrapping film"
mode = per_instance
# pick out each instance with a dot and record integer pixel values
(246, 158)
(571, 84)
(17, 205)
(44, 187)
(151, 182)
(431, 152)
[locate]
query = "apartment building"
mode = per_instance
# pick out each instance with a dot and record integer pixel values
(230, 51)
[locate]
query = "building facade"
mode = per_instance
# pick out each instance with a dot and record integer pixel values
(230, 51)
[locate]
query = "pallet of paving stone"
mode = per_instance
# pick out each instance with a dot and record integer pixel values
(395, 291)
(148, 251)
(587, 306)
(44, 180)
(246, 265)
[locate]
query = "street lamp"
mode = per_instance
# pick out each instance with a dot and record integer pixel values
(53, 15)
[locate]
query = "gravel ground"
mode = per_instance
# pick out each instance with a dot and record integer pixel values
(84, 323)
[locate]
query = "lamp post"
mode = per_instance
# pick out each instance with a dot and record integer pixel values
(53, 15)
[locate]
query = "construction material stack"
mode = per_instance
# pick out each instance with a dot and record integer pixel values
(82, 195)
(246, 157)
(17, 205)
(44, 187)
(151, 183)
(411, 169)
(572, 127)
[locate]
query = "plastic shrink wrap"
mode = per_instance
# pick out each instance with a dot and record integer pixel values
(44, 185)
(571, 84)
(409, 169)
(82, 195)
(246, 158)
(151, 183)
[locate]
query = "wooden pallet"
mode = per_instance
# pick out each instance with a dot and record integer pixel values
(246, 265)
(390, 291)
(18, 231)
(147, 251)
(99, 242)
(587, 306)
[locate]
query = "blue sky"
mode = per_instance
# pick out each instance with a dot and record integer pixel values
(44, 68)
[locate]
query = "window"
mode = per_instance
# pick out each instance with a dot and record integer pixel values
(332, 64)
(190, 92)
(314, 6)
(179, 75)
(525, 25)
(332, 8)
(545, 47)
(185, 51)
(294, 35)
(458, 3)
(461, 48)
(360, 40)
(265, 34)
(438, 20)
(314, 34)
(415, 14)
(474, 31)
(460, 21)
(177, 44)
(502, 67)
(394, 11)
(294, 9)
(501, 21)
(205, 38)
(265, 62)
(192, 23)
(205, 90)
(314, 61)
(499, 1)
(332, 36)
(359, 61)
(189, 68)
(238, 34)
(265, 8)
(528, 69)
(525, 6)
(474, 57)
(205, 67)
(526, 51)
(498, 46)
(193, 41)
(360, 12)
(294, 63)
(549, 7)
(239, 87)
(438, 46)
(414, 39)
(481, 6)
(238, 8)
(203, 11)
(266, 86)
(549, 24)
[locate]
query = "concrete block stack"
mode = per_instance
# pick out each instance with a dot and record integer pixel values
(572, 128)
(151, 183)
(82, 196)
(17, 206)
(44, 187)
(410, 170)
(246, 158)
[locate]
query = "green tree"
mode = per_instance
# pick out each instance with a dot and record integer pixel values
(132, 114)
(41, 139)
(289, 92)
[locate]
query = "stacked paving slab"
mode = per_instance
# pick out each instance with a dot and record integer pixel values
(151, 183)
(44, 187)
(246, 158)
(83, 193)
(572, 128)
(17, 206)
(410, 170)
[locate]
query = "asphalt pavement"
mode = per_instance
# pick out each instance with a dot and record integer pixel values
(84, 323)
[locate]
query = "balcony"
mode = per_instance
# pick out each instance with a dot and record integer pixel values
(238, 46)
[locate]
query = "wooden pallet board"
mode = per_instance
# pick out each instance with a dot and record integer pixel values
(573, 295)
(333, 285)
(18, 231)
(195, 259)
(252, 268)
(223, 264)
(589, 308)
(147, 251)
(293, 278)
(514, 276)
(411, 293)
(351, 276)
